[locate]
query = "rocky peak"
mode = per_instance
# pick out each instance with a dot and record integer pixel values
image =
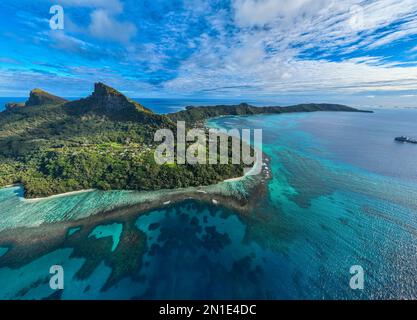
(102, 91)
(111, 100)
(39, 97)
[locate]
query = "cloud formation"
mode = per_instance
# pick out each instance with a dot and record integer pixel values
(227, 48)
(305, 46)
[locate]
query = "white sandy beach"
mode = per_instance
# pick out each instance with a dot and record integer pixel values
(59, 195)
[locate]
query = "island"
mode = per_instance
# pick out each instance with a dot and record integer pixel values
(52, 146)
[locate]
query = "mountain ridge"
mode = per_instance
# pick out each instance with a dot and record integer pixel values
(105, 142)
(106, 100)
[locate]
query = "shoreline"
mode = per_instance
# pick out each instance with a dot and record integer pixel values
(60, 195)
(238, 195)
(70, 193)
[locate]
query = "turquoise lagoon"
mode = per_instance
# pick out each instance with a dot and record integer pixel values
(342, 193)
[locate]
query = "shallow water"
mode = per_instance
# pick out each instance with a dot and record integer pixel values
(342, 193)
(113, 230)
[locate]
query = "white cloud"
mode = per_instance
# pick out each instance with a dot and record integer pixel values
(104, 26)
(261, 12)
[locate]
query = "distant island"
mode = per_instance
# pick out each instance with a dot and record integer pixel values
(105, 141)
(193, 114)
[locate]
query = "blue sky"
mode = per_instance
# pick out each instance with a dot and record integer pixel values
(351, 51)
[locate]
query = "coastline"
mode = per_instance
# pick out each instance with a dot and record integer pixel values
(238, 194)
(70, 193)
(247, 173)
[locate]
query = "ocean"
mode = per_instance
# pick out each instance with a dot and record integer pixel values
(342, 194)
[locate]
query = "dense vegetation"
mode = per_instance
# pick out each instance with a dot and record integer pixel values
(104, 142)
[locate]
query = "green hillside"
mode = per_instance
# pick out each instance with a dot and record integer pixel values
(104, 141)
